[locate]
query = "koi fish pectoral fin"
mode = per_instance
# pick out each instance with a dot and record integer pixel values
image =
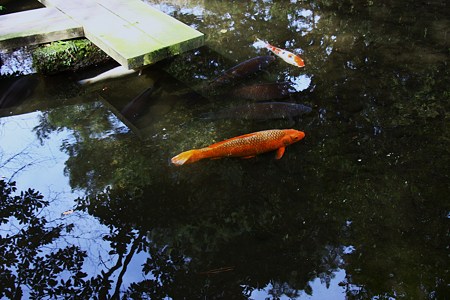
(248, 157)
(280, 152)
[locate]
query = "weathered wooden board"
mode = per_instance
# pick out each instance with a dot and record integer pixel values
(37, 26)
(130, 31)
(161, 27)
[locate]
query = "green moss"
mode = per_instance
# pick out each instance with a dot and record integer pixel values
(67, 56)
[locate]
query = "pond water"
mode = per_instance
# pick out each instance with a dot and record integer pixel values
(358, 209)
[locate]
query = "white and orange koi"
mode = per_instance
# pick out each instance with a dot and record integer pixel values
(285, 55)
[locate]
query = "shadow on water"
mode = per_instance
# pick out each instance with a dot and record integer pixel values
(357, 210)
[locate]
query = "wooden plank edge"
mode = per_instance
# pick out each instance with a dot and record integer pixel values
(37, 26)
(39, 38)
(166, 52)
(144, 59)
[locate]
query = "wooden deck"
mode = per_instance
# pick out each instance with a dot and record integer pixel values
(37, 26)
(130, 31)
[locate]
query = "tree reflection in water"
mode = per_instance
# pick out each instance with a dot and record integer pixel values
(176, 265)
(28, 265)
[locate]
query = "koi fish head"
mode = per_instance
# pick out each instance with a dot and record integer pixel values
(298, 61)
(290, 57)
(293, 136)
(294, 59)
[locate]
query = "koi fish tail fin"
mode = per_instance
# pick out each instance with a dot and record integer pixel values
(84, 81)
(186, 157)
(260, 43)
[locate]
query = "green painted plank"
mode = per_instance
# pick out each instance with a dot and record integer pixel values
(131, 32)
(37, 26)
(158, 25)
(172, 37)
(115, 36)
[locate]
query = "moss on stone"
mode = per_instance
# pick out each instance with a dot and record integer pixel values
(69, 55)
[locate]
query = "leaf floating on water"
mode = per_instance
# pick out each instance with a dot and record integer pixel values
(68, 212)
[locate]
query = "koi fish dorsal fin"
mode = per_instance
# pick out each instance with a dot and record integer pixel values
(232, 139)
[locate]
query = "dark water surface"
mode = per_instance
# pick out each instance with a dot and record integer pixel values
(359, 209)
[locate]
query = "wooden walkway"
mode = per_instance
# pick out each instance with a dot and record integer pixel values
(130, 31)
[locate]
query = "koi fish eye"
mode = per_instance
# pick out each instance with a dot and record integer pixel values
(297, 136)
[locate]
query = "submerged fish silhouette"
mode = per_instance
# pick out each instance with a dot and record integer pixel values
(245, 146)
(261, 111)
(19, 91)
(113, 73)
(136, 107)
(243, 69)
(263, 91)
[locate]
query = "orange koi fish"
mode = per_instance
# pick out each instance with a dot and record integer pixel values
(245, 146)
(285, 55)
